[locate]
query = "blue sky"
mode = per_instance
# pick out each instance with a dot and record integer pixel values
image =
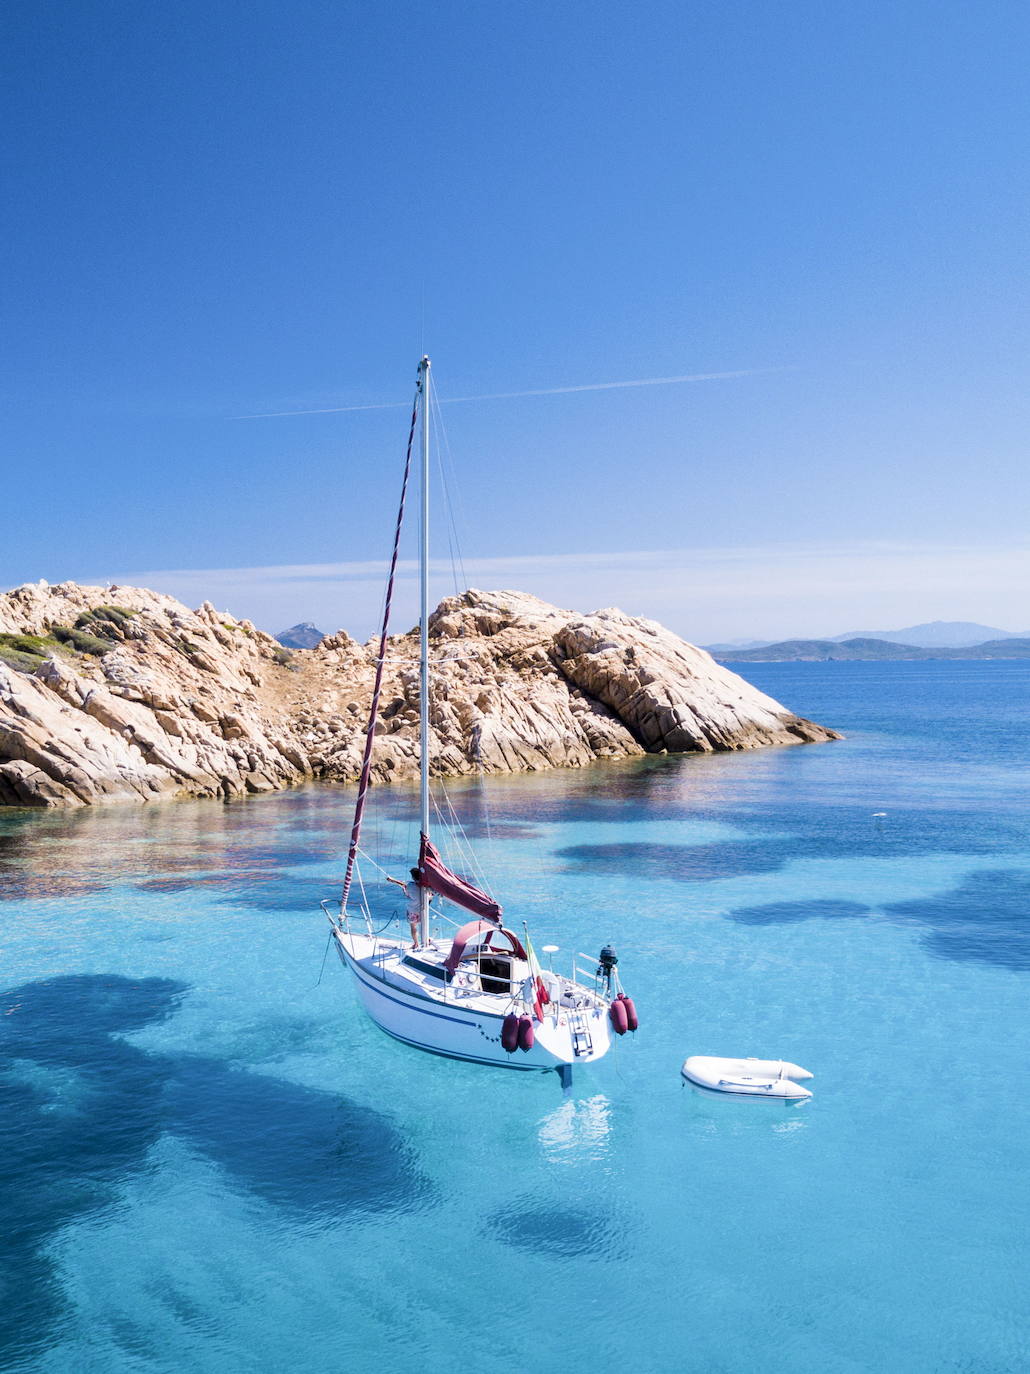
(225, 209)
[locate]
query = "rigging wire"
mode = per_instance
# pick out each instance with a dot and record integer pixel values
(427, 401)
(445, 460)
(325, 956)
(452, 505)
(452, 550)
(477, 868)
(372, 861)
(366, 763)
(466, 858)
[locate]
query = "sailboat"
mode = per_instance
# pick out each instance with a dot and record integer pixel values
(466, 987)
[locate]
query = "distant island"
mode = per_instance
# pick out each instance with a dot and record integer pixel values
(935, 639)
(827, 650)
(935, 634)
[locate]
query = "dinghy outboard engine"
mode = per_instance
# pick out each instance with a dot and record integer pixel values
(606, 962)
(621, 1011)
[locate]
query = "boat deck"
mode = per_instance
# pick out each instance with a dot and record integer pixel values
(421, 970)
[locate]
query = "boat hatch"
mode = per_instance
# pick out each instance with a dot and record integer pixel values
(495, 973)
(431, 970)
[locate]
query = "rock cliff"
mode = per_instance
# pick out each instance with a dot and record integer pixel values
(120, 694)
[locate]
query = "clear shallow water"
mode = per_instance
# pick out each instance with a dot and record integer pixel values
(210, 1161)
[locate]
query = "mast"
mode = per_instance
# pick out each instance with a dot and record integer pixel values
(423, 695)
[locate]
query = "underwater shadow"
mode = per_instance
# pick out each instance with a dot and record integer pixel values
(559, 1231)
(786, 913)
(685, 863)
(985, 918)
(80, 1109)
(773, 838)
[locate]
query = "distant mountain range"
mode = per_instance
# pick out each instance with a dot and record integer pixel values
(302, 636)
(936, 639)
(862, 648)
(938, 634)
(980, 640)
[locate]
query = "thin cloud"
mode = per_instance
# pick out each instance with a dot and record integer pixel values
(778, 591)
(330, 410)
(858, 558)
(515, 395)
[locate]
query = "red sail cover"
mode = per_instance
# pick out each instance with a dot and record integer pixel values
(434, 874)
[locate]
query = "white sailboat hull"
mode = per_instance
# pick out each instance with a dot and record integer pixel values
(457, 1028)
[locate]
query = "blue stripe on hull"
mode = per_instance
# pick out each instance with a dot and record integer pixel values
(374, 985)
(377, 983)
(469, 1058)
(428, 1049)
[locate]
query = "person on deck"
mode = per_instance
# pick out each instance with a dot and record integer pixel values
(414, 900)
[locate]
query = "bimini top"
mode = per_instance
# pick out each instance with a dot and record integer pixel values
(480, 933)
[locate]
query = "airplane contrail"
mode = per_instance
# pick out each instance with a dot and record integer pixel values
(514, 395)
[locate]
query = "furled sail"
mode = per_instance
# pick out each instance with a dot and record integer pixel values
(434, 874)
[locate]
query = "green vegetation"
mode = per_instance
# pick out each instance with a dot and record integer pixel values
(41, 645)
(22, 663)
(282, 656)
(81, 640)
(25, 652)
(100, 616)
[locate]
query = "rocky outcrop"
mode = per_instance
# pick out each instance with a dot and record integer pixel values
(122, 694)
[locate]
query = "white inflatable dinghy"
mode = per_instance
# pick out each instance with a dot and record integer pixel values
(746, 1077)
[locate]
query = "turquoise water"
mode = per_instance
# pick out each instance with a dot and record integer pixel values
(211, 1161)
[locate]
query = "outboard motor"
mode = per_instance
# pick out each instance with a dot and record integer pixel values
(606, 965)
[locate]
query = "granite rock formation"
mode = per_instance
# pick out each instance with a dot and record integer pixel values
(114, 694)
